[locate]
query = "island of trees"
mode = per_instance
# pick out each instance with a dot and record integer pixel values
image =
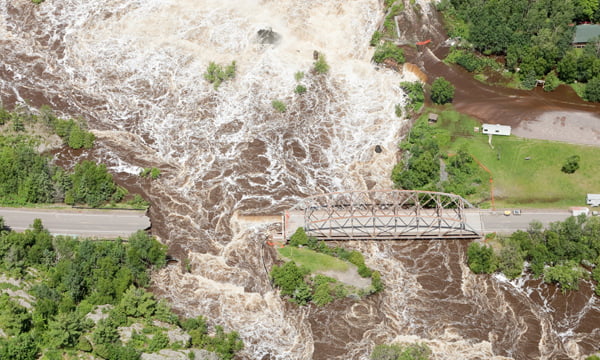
(302, 284)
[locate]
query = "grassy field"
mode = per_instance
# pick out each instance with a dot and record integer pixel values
(537, 182)
(313, 260)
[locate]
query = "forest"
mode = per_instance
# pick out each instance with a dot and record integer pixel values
(61, 298)
(564, 253)
(28, 176)
(534, 37)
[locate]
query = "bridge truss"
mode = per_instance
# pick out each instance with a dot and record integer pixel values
(385, 214)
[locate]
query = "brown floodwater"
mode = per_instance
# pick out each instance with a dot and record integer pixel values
(227, 153)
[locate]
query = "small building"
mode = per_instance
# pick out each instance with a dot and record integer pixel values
(593, 199)
(584, 33)
(496, 129)
(579, 210)
(433, 118)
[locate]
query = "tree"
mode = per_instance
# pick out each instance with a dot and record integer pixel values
(92, 184)
(322, 295)
(321, 66)
(20, 347)
(551, 81)
(567, 67)
(481, 258)
(288, 277)
(300, 89)
(64, 331)
(511, 260)
(299, 237)
(14, 318)
(571, 164)
(442, 91)
(566, 275)
(592, 90)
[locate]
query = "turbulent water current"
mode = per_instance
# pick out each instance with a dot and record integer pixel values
(134, 70)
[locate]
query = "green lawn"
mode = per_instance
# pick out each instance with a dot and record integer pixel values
(313, 260)
(537, 182)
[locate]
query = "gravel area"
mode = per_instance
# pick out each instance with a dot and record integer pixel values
(573, 127)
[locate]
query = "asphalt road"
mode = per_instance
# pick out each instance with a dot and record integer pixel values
(496, 221)
(78, 222)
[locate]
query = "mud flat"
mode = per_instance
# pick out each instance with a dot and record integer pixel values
(575, 127)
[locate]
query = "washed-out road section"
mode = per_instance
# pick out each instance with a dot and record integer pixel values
(78, 222)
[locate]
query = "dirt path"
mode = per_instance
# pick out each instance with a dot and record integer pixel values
(349, 277)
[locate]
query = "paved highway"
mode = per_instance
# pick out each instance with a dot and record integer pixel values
(78, 222)
(496, 221)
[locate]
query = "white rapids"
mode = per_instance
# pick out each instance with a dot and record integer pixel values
(134, 69)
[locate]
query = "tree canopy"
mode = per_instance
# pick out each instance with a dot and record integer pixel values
(442, 91)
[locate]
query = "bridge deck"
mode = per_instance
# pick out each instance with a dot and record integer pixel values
(383, 227)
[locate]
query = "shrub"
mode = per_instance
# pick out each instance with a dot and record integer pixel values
(322, 296)
(442, 91)
(299, 75)
(375, 38)
(376, 281)
(279, 105)
(388, 51)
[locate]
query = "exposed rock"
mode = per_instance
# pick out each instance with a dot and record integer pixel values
(180, 355)
(175, 334)
(99, 313)
(268, 36)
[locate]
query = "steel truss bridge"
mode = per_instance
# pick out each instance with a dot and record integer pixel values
(381, 214)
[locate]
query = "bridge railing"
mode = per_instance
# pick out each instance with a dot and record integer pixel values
(385, 214)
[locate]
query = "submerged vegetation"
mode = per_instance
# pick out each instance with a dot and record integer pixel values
(80, 298)
(401, 352)
(416, 96)
(564, 253)
(299, 278)
(216, 74)
(389, 51)
(321, 66)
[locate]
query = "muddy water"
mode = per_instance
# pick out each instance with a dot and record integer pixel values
(559, 115)
(134, 70)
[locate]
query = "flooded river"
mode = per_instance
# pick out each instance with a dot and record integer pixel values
(134, 70)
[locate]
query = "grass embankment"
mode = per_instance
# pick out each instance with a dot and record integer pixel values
(313, 260)
(305, 277)
(537, 182)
